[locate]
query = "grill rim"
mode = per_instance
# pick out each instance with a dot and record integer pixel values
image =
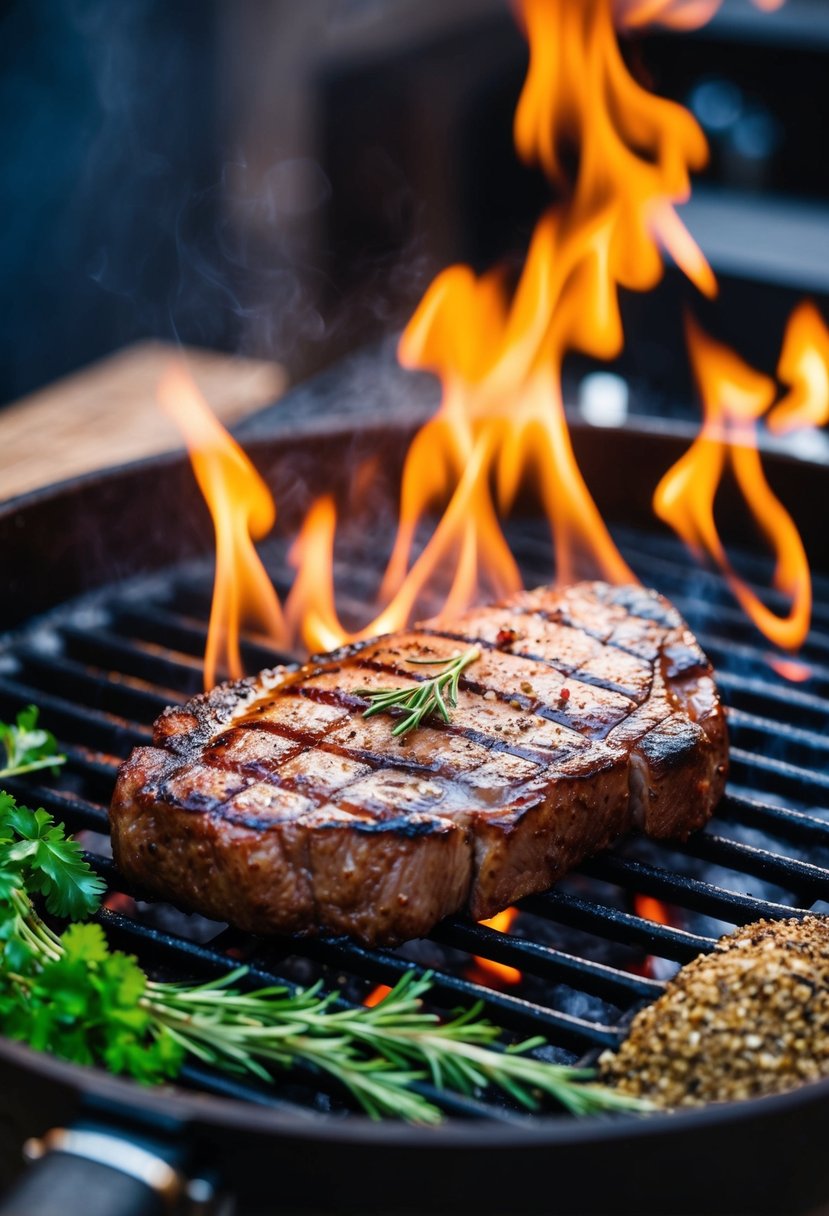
(172, 1101)
(552, 1129)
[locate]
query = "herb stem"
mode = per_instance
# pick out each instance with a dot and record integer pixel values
(435, 696)
(17, 770)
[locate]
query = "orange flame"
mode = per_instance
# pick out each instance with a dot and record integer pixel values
(498, 349)
(501, 426)
(376, 995)
(804, 367)
(242, 510)
(504, 974)
(651, 909)
(791, 669)
(680, 14)
(735, 398)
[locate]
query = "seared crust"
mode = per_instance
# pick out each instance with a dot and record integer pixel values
(274, 804)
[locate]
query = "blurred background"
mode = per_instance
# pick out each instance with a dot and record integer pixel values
(282, 179)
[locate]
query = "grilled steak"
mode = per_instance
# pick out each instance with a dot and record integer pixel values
(272, 803)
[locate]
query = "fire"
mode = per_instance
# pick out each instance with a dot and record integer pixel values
(376, 995)
(504, 974)
(735, 398)
(498, 350)
(651, 909)
(242, 510)
(620, 160)
(680, 14)
(804, 367)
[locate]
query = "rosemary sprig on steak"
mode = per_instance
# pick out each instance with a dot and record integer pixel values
(436, 695)
(70, 994)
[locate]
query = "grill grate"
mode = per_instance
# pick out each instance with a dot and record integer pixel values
(102, 669)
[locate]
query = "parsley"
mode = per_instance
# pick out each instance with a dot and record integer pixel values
(27, 746)
(36, 856)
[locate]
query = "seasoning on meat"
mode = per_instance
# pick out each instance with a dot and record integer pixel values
(749, 1019)
(275, 804)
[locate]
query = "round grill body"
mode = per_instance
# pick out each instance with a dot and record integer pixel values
(108, 583)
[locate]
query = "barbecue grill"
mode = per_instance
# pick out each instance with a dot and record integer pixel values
(107, 594)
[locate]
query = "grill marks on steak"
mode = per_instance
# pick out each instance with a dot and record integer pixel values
(274, 804)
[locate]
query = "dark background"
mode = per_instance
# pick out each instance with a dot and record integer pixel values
(283, 178)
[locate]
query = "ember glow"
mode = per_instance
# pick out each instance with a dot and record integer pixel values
(651, 909)
(503, 973)
(242, 510)
(735, 398)
(376, 995)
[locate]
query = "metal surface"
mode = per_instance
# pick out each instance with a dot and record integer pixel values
(102, 668)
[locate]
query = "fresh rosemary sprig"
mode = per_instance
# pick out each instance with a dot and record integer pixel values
(433, 696)
(71, 995)
(27, 746)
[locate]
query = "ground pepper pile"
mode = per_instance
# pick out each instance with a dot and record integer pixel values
(751, 1018)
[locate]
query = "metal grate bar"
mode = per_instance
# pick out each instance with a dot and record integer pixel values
(800, 877)
(752, 729)
(670, 560)
(182, 673)
(781, 821)
(665, 562)
(762, 697)
(666, 941)
(684, 891)
(618, 987)
(95, 689)
(513, 1013)
(804, 784)
(168, 628)
(74, 722)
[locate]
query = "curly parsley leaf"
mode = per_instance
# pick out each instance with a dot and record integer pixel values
(85, 1006)
(27, 746)
(36, 854)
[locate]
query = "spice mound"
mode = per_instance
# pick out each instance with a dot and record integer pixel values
(749, 1019)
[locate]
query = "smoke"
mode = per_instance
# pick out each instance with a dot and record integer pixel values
(160, 181)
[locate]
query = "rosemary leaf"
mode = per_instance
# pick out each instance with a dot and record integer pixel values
(435, 696)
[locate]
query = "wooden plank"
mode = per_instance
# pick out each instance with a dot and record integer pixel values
(106, 414)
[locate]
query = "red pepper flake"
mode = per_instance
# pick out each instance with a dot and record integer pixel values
(564, 694)
(505, 637)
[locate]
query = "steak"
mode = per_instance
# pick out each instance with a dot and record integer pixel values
(272, 803)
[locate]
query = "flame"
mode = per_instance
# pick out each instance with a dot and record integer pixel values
(679, 14)
(735, 398)
(791, 669)
(498, 350)
(242, 510)
(651, 909)
(804, 366)
(504, 974)
(620, 159)
(376, 995)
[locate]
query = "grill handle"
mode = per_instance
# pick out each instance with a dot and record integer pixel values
(61, 1184)
(83, 1171)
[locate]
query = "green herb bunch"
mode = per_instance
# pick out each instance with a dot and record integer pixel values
(68, 993)
(434, 696)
